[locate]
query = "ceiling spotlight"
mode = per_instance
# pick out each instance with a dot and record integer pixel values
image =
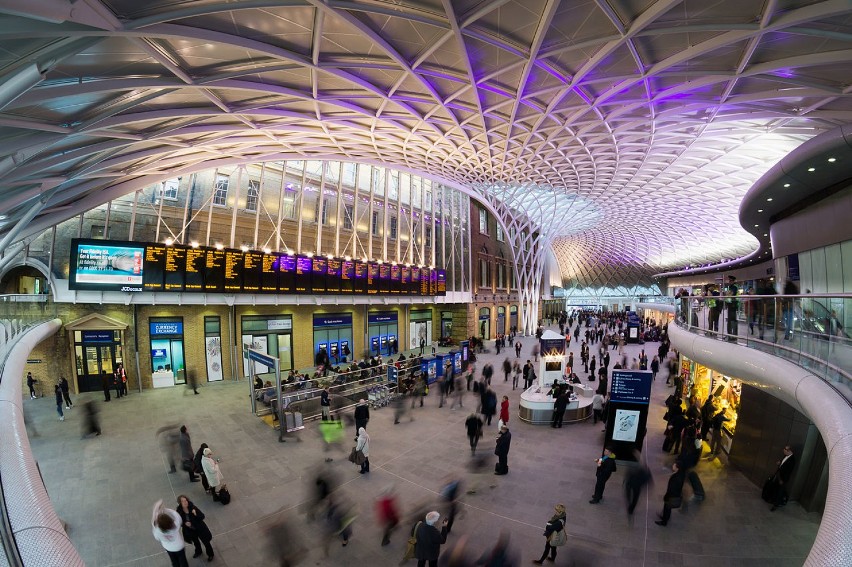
(832, 160)
(811, 169)
(267, 251)
(757, 225)
(244, 248)
(764, 234)
(194, 244)
(218, 246)
(769, 200)
(759, 210)
(169, 241)
(786, 185)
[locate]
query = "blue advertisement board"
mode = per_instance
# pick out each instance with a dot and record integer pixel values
(631, 386)
(429, 368)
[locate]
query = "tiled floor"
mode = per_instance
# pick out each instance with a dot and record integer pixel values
(104, 487)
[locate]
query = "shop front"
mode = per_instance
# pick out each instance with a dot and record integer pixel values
(167, 354)
(703, 382)
(446, 324)
(333, 334)
(269, 334)
(485, 323)
(501, 321)
(97, 347)
(420, 328)
(383, 332)
(513, 317)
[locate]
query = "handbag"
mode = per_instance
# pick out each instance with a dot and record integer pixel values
(411, 544)
(224, 495)
(558, 539)
(357, 457)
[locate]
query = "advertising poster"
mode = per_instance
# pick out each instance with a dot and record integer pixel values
(626, 425)
(256, 343)
(214, 359)
(108, 265)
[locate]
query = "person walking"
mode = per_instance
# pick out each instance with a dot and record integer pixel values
(105, 385)
(782, 477)
(91, 424)
(473, 425)
(516, 370)
(362, 415)
(605, 468)
(388, 513)
(597, 407)
(63, 385)
(554, 534)
(518, 349)
(655, 367)
(504, 440)
(674, 494)
(57, 391)
(638, 477)
(166, 527)
(507, 369)
(195, 530)
(429, 540)
(31, 385)
(187, 455)
(212, 472)
(363, 445)
(489, 403)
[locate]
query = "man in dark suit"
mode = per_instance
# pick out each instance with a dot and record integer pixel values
(782, 477)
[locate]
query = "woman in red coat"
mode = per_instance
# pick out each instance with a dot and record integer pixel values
(504, 410)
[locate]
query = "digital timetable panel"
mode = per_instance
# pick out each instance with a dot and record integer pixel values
(106, 265)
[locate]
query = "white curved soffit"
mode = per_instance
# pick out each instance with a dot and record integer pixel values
(813, 397)
(657, 112)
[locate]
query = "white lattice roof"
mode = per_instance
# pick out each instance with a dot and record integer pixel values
(630, 129)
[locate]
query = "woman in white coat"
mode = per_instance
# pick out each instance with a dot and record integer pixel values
(212, 472)
(363, 445)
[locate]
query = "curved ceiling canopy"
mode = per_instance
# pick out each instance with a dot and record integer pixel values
(646, 120)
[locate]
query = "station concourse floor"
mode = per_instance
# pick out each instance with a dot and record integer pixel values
(104, 487)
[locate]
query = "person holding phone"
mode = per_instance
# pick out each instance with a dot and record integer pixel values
(429, 540)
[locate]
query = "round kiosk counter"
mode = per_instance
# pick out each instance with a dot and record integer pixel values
(536, 407)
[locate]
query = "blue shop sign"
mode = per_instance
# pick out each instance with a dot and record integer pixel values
(385, 317)
(337, 320)
(97, 337)
(167, 328)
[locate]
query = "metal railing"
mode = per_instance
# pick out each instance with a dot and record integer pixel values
(808, 329)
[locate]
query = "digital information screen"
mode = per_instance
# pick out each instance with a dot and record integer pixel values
(303, 274)
(175, 268)
(631, 386)
(233, 270)
(106, 265)
(193, 279)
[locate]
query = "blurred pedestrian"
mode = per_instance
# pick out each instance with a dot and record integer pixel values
(187, 455)
(637, 478)
(191, 382)
(339, 518)
(57, 392)
(282, 541)
(90, 423)
(169, 437)
(63, 385)
(332, 434)
(195, 530)
(450, 494)
(554, 534)
(166, 524)
(388, 512)
(473, 425)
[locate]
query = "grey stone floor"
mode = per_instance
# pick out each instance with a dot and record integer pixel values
(104, 487)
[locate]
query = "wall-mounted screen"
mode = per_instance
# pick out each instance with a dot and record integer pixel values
(106, 265)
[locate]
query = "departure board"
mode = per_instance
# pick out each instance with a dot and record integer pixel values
(415, 280)
(287, 274)
(395, 278)
(105, 265)
(269, 273)
(193, 279)
(214, 271)
(405, 281)
(424, 281)
(347, 277)
(233, 271)
(155, 265)
(384, 278)
(442, 283)
(303, 274)
(175, 268)
(372, 278)
(361, 274)
(319, 267)
(333, 270)
(252, 264)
